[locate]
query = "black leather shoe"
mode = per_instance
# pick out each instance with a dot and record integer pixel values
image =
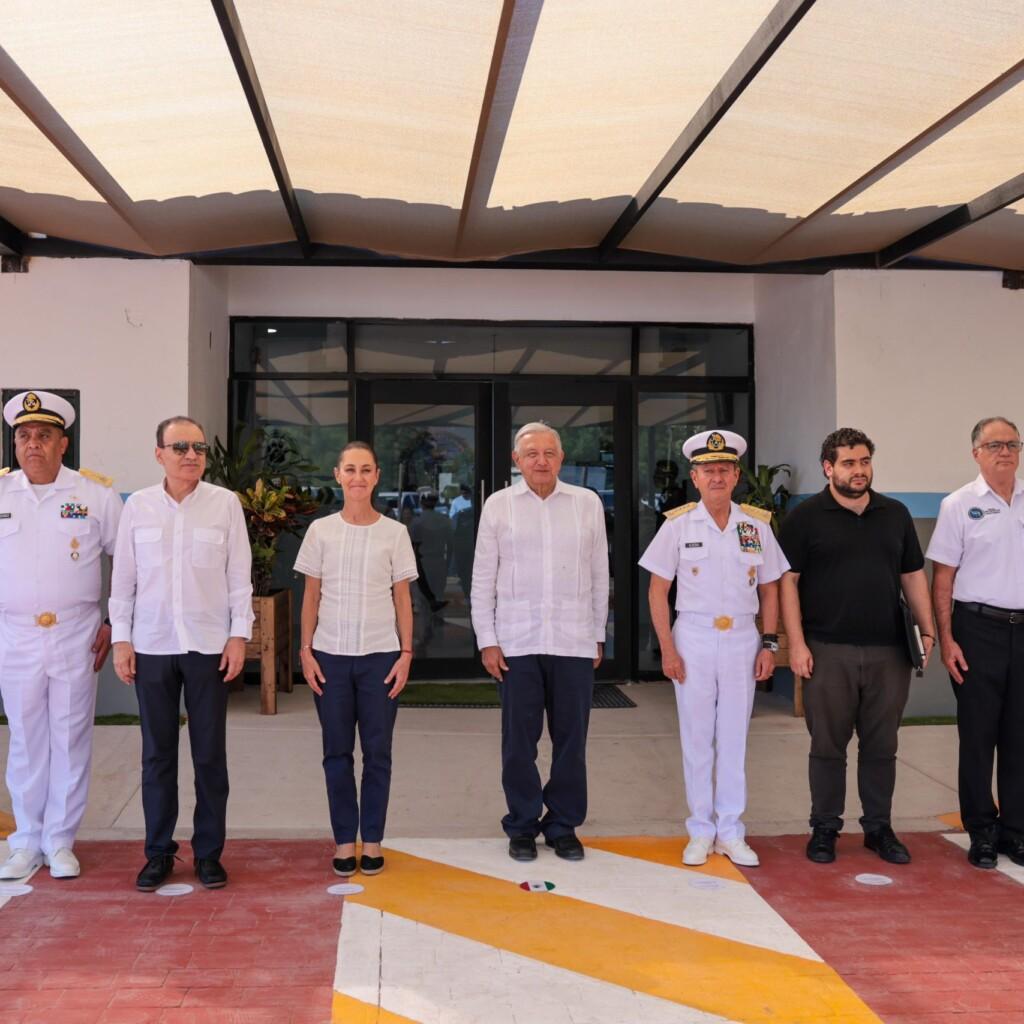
(344, 866)
(884, 842)
(210, 873)
(821, 847)
(371, 865)
(1013, 848)
(155, 873)
(522, 848)
(567, 847)
(982, 853)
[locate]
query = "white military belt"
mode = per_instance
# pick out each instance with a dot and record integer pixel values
(720, 622)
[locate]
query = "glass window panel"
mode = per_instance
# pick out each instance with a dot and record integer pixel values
(314, 346)
(665, 421)
(491, 348)
(695, 351)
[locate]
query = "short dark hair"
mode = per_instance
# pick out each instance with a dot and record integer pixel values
(170, 421)
(360, 446)
(844, 437)
(979, 427)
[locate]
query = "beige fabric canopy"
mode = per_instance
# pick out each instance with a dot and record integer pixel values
(748, 133)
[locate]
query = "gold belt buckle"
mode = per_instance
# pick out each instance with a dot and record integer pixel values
(46, 619)
(723, 622)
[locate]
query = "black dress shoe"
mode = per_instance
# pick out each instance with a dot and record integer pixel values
(155, 873)
(522, 848)
(884, 842)
(344, 866)
(982, 853)
(1013, 848)
(210, 873)
(821, 847)
(567, 847)
(371, 865)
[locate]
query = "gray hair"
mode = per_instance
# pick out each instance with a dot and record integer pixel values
(535, 428)
(170, 421)
(979, 428)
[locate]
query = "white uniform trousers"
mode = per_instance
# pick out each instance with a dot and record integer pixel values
(714, 704)
(49, 692)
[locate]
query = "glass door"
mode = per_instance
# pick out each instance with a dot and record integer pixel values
(433, 443)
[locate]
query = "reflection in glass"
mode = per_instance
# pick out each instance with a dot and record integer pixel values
(587, 433)
(290, 346)
(428, 473)
(666, 420)
(694, 351)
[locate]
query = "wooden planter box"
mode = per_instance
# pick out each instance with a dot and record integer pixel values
(272, 644)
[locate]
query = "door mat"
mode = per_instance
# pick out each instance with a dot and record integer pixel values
(485, 695)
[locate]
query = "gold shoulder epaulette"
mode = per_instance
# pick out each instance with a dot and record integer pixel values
(756, 513)
(91, 474)
(680, 510)
(5, 471)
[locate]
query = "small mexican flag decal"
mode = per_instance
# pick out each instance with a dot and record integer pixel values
(537, 886)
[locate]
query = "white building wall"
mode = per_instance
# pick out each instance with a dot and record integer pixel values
(209, 339)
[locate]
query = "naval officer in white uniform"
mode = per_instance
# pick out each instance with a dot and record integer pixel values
(727, 564)
(55, 525)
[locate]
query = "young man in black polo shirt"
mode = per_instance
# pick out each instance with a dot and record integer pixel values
(852, 552)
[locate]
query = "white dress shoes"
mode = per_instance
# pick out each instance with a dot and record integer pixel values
(63, 864)
(697, 850)
(20, 864)
(738, 852)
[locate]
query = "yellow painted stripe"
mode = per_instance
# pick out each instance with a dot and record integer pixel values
(952, 819)
(346, 1010)
(743, 983)
(666, 851)
(6, 825)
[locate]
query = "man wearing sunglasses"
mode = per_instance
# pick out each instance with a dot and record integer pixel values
(978, 590)
(181, 608)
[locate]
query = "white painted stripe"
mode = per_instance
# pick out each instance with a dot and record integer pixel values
(1005, 865)
(433, 977)
(733, 910)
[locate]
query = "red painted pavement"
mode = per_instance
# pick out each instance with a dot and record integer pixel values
(944, 944)
(92, 949)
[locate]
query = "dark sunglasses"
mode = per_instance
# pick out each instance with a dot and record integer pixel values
(182, 447)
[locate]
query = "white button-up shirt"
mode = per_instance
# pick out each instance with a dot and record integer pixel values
(50, 546)
(983, 539)
(717, 571)
(540, 573)
(182, 572)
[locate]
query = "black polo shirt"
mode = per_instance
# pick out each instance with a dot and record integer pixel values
(850, 567)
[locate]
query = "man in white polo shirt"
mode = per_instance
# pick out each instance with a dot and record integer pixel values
(181, 608)
(540, 609)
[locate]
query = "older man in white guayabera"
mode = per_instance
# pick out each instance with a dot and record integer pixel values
(540, 610)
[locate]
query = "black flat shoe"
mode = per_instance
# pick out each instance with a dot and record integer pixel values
(155, 873)
(371, 865)
(522, 848)
(821, 847)
(344, 866)
(211, 873)
(567, 847)
(1013, 848)
(883, 841)
(982, 853)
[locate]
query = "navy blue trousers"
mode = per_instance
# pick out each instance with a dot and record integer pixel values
(159, 681)
(563, 689)
(355, 696)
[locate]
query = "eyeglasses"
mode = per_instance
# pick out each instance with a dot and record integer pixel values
(182, 447)
(995, 447)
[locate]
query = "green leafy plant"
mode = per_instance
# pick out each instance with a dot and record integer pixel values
(763, 492)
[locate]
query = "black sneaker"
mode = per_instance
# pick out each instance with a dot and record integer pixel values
(211, 873)
(567, 847)
(884, 842)
(155, 873)
(821, 847)
(1013, 848)
(371, 865)
(982, 853)
(522, 848)
(344, 866)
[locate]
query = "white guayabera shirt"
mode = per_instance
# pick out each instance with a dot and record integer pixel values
(182, 578)
(540, 574)
(357, 567)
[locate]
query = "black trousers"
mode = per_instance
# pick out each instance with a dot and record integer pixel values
(562, 688)
(862, 688)
(990, 718)
(159, 681)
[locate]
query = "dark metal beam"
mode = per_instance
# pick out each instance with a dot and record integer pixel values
(231, 26)
(957, 219)
(771, 34)
(12, 240)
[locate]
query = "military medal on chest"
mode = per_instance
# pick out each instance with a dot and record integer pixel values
(75, 545)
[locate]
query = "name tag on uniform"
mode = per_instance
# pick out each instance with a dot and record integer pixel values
(5, 515)
(695, 544)
(74, 510)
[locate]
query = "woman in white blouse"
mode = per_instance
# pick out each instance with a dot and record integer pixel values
(356, 650)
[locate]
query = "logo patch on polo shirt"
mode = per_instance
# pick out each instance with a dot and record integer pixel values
(979, 513)
(750, 539)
